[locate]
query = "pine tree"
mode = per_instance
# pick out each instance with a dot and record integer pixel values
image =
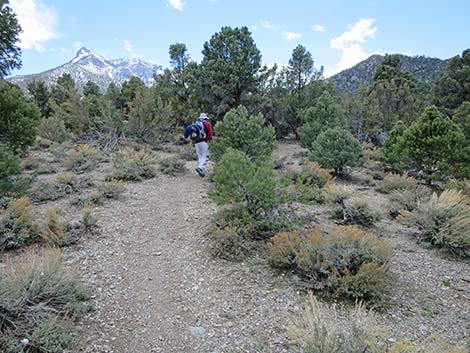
(453, 87)
(434, 144)
(336, 149)
(396, 93)
(229, 70)
(393, 152)
(41, 96)
(245, 133)
(239, 180)
(18, 118)
(10, 53)
(326, 113)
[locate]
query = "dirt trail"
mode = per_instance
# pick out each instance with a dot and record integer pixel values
(159, 290)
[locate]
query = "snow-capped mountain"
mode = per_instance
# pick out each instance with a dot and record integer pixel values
(89, 66)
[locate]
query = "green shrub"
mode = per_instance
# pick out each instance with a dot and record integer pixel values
(10, 183)
(357, 211)
(393, 153)
(133, 165)
(326, 113)
(336, 149)
(59, 151)
(434, 144)
(82, 158)
(18, 118)
(248, 134)
(443, 221)
(345, 260)
(278, 163)
(172, 165)
(393, 182)
(17, 224)
(51, 337)
(53, 129)
(235, 233)
(238, 180)
(46, 168)
(36, 293)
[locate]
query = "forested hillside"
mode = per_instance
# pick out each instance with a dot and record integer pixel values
(111, 242)
(425, 69)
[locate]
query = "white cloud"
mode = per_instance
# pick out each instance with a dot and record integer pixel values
(38, 22)
(254, 28)
(350, 45)
(317, 28)
(127, 45)
(78, 44)
(266, 24)
(290, 36)
(176, 4)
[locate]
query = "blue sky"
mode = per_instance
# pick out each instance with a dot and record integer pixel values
(337, 33)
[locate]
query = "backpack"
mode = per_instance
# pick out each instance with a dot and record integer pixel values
(199, 131)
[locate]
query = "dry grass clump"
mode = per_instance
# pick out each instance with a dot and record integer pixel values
(407, 200)
(31, 163)
(63, 184)
(443, 221)
(345, 260)
(321, 330)
(37, 297)
(357, 211)
(89, 220)
(325, 329)
(338, 194)
(82, 158)
(461, 185)
(172, 165)
(310, 182)
(53, 230)
(188, 153)
(392, 182)
(132, 165)
(18, 224)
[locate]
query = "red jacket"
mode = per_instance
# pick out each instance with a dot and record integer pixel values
(209, 131)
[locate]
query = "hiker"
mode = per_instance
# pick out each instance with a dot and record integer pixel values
(200, 133)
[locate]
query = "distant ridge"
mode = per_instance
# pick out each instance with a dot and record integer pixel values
(425, 69)
(90, 66)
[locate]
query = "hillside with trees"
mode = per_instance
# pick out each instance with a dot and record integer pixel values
(326, 222)
(425, 69)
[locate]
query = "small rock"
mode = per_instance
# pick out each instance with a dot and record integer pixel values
(198, 331)
(24, 341)
(277, 340)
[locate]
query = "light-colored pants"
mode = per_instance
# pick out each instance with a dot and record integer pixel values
(202, 150)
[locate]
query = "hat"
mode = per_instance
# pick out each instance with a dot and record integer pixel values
(203, 116)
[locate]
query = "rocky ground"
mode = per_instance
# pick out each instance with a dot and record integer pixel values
(157, 288)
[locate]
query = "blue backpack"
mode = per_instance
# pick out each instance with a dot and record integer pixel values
(199, 130)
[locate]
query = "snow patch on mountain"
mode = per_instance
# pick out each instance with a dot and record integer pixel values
(90, 66)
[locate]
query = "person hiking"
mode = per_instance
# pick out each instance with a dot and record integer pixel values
(201, 133)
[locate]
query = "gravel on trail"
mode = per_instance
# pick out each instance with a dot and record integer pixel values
(158, 289)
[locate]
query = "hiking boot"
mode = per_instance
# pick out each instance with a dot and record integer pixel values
(200, 172)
